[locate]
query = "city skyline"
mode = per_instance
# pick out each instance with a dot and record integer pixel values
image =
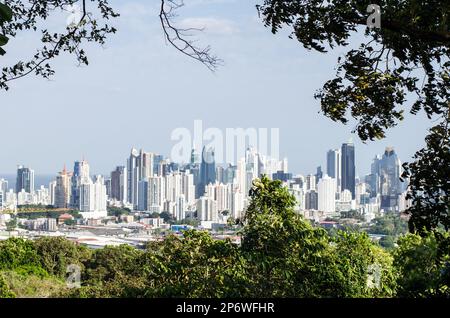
(360, 173)
(151, 182)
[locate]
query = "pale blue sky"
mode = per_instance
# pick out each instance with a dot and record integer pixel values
(137, 89)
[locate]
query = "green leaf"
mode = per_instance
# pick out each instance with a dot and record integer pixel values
(5, 13)
(3, 40)
(2, 51)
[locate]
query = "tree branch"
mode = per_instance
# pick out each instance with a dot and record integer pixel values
(177, 36)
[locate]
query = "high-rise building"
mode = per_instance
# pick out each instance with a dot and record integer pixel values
(207, 209)
(348, 168)
(63, 189)
(373, 179)
(93, 198)
(311, 183)
(119, 184)
(87, 196)
(81, 169)
(108, 187)
(3, 186)
(345, 201)
(252, 160)
(145, 164)
(140, 165)
(221, 193)
(300, 180)
(195, 158)
(143, 195)
(156, 194)
(334, 165)
(164, 168)
(236, 202)
(180, 208)
(156, 162)
(80, 175)
(52, 192)
(319, 174)
(188, 187)
(133, 177)
(362, 193)
(229, 173)
(220, 172)
(297, 191)
(311, 200)
(207, 169)
(282, 176)
(390, 171)
(25, 179)
(326, 193)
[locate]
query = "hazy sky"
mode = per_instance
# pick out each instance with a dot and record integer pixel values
(137, 90)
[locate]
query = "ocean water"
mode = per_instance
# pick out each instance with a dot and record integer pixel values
(38, 180)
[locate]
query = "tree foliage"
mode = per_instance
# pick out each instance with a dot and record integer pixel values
(5, 291)
(409, 53)
(5, 16)
(291, 258)
(92, 26)
(55, 254)
(117, 212)
(17, 252)
(429, 183)
(281, 255)
(403, 65)
(424, 265)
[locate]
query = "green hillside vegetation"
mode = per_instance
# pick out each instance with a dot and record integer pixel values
(281, 255)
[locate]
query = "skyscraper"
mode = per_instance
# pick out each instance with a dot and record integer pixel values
(132, 175)
(81, 169)
(80, 175)
(207, 169)
(140, 165)
(156, 162)
(194, 157)
(348, 167)
(319, 173)
(311, 200)
(311, 182)
(390, 170)
(155, 194)
(3, 186)
(326, 193)
(334, 165)
(220, 172)
(119, 184)
(145, 164)
(63, 189)
(93, 198)
(143, 195)
(25, 179)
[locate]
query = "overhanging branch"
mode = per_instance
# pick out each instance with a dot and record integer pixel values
(177, 37)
